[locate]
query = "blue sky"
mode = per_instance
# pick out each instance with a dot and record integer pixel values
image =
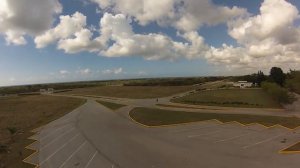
(26, 63)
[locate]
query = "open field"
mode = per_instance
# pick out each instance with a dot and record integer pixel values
(175, 81)
(19, 115)
(110, 105)
(156, 117)
(255, 98)
(135, 92)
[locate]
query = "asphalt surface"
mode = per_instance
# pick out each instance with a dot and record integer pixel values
(93, 136)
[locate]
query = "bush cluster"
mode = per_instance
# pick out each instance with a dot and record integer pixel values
(220, 103)
(278, 93)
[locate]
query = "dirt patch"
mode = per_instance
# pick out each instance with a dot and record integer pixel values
(19, 115)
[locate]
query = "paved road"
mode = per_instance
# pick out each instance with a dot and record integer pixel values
(152, 103)
(93, 136)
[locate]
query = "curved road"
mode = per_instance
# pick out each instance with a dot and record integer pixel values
(93, 136)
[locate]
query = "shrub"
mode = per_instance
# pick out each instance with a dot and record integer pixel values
(12, 130)
(278, 93)
(3, 148)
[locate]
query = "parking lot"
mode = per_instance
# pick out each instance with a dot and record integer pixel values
(93, 136)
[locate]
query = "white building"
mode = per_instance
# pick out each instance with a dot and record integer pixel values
(43, 91)
(50, 90)
(47, 91)
(243, 84)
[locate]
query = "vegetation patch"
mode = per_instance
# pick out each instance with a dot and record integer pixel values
(110, 105)
(134, 92)
(157, 117)
(185, 107)
(293, 81)
(19, 115)
(278, 93)
(172, 81)
(293, 148)
(253, 98)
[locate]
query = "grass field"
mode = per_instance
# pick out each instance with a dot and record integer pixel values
(185, 107)
(110, 105)
(19, 115)
(294, 148)
(135, 92)
(156, 117)
(256, 98)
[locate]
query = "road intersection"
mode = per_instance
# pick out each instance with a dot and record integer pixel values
(93, 136)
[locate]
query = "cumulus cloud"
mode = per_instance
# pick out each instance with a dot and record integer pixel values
(30, 17)
(86, 71)
(150, 46)
(195, 13)
(275, 20)
(64, 72)
(72, 35)
(143, 11)
(113, 71)
(142, 73)
(267, 39)
(67, 26)
(117, 30)
(185, 15)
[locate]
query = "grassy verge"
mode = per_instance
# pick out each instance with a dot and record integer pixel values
(249, 98)
(19, 115)
(294, 148)
(184, 107)
(156, 117)
(110, 105)
(134, 92)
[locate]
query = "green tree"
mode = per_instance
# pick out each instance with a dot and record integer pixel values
(260, 77)
(277, 76)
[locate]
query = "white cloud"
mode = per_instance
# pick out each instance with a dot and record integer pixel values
(12, 79)
(113, 71)
(74, 45)
(30, 17)
(267, 39)
(117, 30)
(143, 11)
(142, 73)
(14, 37)
(195, 14)
(150, 46)
(275, 20)
(185, 15)
(86, 71)
(72, 35)
(64, 72)
(68, 26)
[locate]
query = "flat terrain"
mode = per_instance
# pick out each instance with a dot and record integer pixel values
(22, 114)
(256, 98)
(92, 136)
(110, 105)
(134, 92)
(156, 117)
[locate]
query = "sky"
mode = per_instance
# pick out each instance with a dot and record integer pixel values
(76, 40)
